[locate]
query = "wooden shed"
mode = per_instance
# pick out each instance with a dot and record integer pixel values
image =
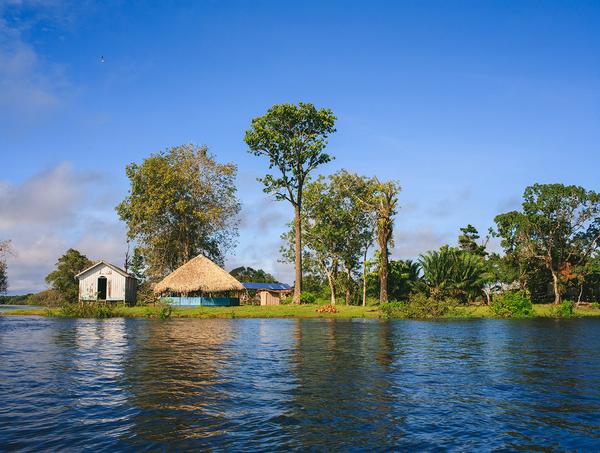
(103, 281)
(196, 282)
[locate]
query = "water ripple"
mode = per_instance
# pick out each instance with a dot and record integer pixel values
(264, 385)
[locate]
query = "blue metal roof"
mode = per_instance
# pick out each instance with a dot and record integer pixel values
(271, 286)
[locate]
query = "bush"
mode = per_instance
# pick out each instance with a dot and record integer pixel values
(418, 306)
(512, 304)
(87, 310)
(162, 309)
(565, 310)
(307, 298)
(50, 298)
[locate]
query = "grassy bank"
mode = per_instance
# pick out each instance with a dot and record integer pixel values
(294, 311)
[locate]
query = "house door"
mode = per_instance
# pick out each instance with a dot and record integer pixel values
(102, 288)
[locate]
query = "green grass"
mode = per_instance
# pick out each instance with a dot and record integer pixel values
(303, 311)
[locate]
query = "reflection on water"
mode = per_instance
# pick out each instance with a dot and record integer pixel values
(299, 385)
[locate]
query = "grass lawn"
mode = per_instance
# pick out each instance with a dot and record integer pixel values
(297, 311)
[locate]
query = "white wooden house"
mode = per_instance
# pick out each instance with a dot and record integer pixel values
(103, 281)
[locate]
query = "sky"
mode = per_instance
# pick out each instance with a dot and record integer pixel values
(464, 103)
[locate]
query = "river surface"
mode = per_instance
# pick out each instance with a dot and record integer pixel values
(301, 385)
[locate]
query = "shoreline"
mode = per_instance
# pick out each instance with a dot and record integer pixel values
(291, 311)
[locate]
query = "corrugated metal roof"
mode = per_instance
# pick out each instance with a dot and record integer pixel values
(271, 286)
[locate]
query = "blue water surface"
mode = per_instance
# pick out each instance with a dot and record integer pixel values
(264, 385)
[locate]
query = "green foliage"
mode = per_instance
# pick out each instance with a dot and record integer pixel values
(293, 138)
(336, 230)
(512, 304)
(86, 310)
(453, 273)
(181, 204)
(5, 248)
(467, 241)
(381, 200)
(3, 277)
(162, 309)
(557, 225)
(15, 300)
(307, 298)
(403, 279)
(63, 278)
(418, 306)
(565, 309)
(49, 298)
(249, 275)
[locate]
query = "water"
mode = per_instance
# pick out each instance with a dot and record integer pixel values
(299, 385)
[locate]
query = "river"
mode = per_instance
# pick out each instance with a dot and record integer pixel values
(304, 385)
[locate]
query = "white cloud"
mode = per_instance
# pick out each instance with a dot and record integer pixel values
(51, 197)
(55, 210)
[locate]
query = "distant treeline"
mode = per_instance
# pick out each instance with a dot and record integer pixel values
(15, 300)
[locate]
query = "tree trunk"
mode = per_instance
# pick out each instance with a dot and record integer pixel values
(365, 278)
(332, 287)
(383, 275)
(298, 283)
(488, 296)
(555, 284)
(348, 293)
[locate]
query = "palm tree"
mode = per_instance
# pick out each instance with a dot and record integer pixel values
(451, 272)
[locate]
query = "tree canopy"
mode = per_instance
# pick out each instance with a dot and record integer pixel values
(63, 278)
(558, 225)
(250, 275)
(382, 200)
(5, 248)
(181, 204)
(293, 138)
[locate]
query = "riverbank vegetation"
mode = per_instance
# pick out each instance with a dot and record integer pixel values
(182, 203)
(417, 308)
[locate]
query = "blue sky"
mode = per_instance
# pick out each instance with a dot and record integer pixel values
(465, 103)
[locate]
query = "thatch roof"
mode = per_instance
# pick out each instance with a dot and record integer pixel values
(199, 274)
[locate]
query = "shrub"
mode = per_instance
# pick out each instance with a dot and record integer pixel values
(307, 298)
(162, 309)
(87, 310)
(418, 306)
(511, 304)
(565, 310)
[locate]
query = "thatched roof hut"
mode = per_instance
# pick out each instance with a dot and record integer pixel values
(198, 274)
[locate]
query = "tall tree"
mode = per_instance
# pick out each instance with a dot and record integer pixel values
(558, 225)
(3, 278)
(293, 138)
(381, 200)
(181, 204)
(63, 278)
(5, 248)
(336, 228)
(347, 190)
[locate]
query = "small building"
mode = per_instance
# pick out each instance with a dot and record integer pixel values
(197, 282)
(269, 293)
(103, 281)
